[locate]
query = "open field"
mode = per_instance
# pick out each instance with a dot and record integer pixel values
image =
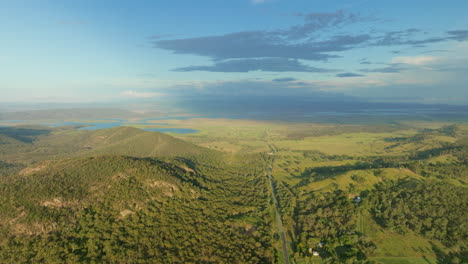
(395, 245)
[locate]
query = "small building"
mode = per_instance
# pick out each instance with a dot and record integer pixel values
(315, 254)
(357, 199)
(320, 244)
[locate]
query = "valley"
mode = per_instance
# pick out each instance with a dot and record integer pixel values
(235, 191)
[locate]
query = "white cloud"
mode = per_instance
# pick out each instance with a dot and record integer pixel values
(415, 60)
(134, 94)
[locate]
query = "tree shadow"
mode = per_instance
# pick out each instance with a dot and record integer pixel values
(449, 258)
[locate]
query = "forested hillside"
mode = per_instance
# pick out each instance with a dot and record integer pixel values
(28, 144)
(186, 208)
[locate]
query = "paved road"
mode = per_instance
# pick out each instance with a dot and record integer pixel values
(278, 215)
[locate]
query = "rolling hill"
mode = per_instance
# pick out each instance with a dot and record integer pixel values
(30, 145)
(130, 196)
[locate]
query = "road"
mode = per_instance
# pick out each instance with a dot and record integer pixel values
(277, 209)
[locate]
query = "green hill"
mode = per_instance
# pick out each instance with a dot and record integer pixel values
(125, 195)
(138, 143)
(26, 146)
(76, 183)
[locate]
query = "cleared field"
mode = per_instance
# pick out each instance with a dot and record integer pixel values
(406, 260)
(360, 144)
(358, 180)
(397, 246)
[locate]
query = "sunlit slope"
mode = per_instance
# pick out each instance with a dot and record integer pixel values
(26, 146)
(120, 209)
(138, 143)
(60, 187)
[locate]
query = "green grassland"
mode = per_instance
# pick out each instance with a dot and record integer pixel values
(409, 246)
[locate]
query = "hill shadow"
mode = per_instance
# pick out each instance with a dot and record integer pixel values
(26, 135)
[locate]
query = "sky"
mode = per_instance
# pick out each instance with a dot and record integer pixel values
(112, 50)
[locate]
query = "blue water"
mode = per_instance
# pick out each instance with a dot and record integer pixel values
(169, 118)
(173, 130)
(161, 124)
(104, 125)
(88, 126)
(187, 117)
(96, 126)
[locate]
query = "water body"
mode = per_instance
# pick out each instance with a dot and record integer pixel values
(173, 130)
(186, 118)
(96, 126)
(104, 125)
(88, 125)
(169, 118)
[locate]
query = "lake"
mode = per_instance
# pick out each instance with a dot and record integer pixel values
(172, 130)
(113, 123)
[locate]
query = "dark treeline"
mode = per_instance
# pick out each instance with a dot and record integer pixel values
(326, 223)
(433, 209)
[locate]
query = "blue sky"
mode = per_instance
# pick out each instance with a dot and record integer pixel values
(85, 51)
